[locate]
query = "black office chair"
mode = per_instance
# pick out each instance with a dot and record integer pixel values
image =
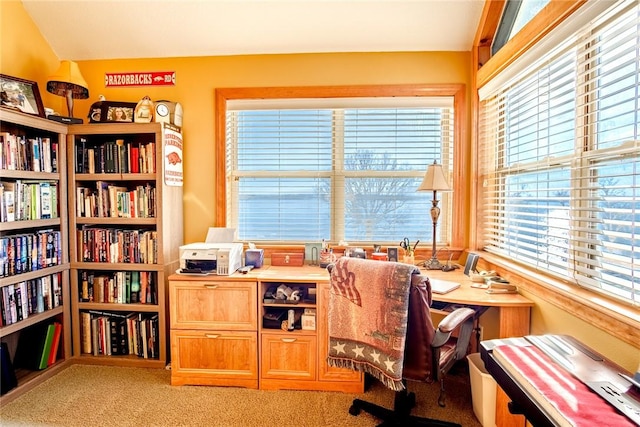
(429, 354)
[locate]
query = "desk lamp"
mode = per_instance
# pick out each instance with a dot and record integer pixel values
(68, 82)
(434, 180)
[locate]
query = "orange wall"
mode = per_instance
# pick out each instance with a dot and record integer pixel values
(197, 78)
(24, 53)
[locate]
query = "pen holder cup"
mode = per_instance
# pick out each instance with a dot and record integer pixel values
(326, 258)
(409, 259)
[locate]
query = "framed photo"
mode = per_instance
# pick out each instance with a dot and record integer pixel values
(112, 112)
(470, 265)
(20, 94)
(119, 113)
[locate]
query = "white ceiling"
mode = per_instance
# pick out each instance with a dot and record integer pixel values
(117, 29)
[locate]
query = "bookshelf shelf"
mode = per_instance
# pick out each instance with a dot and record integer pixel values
(117, 200)
(35, 223)
(33, 176)
(108, 306)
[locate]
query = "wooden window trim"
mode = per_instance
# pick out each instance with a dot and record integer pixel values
(549, 18)
(461, 148)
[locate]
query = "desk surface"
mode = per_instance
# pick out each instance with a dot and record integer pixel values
(465, 294)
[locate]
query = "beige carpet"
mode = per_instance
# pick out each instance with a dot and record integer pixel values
(85, 395)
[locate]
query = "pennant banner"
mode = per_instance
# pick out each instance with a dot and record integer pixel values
(155, 78)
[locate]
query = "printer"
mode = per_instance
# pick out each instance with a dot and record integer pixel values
(217, 255)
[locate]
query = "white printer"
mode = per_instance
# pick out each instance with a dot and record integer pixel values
(218, 255)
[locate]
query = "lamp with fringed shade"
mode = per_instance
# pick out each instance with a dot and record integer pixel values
(67, 81)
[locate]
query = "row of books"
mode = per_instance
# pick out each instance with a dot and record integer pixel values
(97, 244)
(20, 300)
(115, 201)
(115, 157)
(118, 287)
(17, 152)
(22, 253)
(28, 200)
(111, 334)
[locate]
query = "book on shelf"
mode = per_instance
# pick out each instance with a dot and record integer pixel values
(48, 342)
(34, 346)
(8, 202)
(55, 345)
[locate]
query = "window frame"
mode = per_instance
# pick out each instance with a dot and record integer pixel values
(614, 318)
(461, 148)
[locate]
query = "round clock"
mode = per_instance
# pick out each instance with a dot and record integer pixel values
(162, 110)
(168, 112)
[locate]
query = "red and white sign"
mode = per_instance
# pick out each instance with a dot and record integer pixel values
(152, 78)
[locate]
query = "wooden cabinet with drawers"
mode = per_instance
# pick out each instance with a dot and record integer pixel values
(234, 331)
(213, 332)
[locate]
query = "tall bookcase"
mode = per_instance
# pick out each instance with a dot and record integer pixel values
(125, 231)
(34, 251)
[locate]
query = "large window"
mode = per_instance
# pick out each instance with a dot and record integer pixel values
(560, 153)
(337, 169)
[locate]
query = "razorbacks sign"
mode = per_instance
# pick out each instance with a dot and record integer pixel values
(153, 78)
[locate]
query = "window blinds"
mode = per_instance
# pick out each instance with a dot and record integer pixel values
(560, 156)
(346, 172)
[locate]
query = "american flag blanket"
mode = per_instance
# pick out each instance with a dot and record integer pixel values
(367, 317)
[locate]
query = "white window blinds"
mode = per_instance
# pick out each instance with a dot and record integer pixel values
(560, 155)
(339, 169)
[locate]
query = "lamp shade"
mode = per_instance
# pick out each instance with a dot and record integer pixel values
(68, 78)
(434, 179)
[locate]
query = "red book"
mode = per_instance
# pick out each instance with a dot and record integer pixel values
(134, 161)
(54, 344)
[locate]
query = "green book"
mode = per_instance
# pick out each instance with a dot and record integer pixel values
(44, 359)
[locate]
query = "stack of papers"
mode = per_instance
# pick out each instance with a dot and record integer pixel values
(442, 286)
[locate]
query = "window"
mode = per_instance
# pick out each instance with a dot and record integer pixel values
(339, 169)
(560, 153)
(515, 15)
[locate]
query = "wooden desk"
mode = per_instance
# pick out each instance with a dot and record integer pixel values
(513, 309)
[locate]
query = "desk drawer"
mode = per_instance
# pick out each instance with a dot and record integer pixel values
(288, 356)
(213, 305)
(228, 357)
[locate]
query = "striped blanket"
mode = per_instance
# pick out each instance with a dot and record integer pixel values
(368, 317)
(566, 399)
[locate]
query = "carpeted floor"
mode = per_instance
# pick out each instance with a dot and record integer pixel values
(86, 395)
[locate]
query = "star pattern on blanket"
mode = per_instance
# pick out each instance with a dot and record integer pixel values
(358, 351)
(339, 348)
(389, 364)
(371, 356)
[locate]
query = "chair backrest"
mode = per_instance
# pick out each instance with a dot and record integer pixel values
(418, 355)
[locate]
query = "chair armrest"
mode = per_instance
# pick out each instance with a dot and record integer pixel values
(447, 325)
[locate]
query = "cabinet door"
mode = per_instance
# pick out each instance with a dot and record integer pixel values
(288, 356)
(326, 372)
(213, 305)
(214, 354)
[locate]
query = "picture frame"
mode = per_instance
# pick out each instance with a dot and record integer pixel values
(112, 112)
(120, 113)
(470, 265)
(20, 94)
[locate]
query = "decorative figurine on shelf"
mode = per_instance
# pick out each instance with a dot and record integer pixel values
(144, 111)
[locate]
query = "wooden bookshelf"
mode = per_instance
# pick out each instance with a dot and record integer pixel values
(35, 215)
(118, 197)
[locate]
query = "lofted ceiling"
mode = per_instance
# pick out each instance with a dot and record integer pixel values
(117, 29)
